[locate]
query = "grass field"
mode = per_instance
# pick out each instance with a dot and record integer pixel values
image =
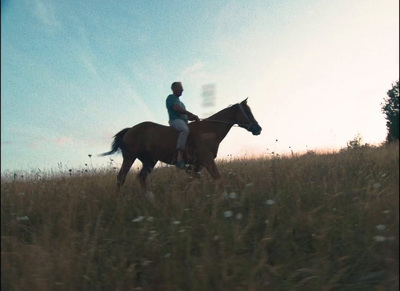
(305, 222)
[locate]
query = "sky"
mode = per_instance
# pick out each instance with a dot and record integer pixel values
(74, 73)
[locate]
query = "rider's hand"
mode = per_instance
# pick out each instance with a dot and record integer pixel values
(194, 117)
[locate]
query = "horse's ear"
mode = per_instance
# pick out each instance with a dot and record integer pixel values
(244, 101)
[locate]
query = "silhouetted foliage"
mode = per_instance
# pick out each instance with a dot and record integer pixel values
(390, 108)
(357, 142)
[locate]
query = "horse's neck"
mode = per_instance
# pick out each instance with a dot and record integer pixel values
(223, 122)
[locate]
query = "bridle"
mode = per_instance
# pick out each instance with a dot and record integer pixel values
(250, 124)
(244, 125)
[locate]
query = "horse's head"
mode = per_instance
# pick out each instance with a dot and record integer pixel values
(245, 119)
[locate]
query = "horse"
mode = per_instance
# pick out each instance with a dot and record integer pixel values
(151, 142)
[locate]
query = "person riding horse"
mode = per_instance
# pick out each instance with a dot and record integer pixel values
(178, 119)
(151, 142)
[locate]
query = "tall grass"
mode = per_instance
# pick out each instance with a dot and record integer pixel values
(306, 222)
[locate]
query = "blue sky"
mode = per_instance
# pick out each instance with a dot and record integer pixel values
(74, 73)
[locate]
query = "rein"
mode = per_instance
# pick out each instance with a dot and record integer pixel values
(220, 121)
(233, 124)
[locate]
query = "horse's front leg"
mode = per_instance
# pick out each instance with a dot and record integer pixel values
(212, 168)
(219, 187)
(193, 171)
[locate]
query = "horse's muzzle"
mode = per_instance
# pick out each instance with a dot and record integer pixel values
(255, 129)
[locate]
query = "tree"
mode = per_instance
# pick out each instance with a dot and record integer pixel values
(390, 108)
(357, 142)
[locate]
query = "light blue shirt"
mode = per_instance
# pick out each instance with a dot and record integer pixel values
(171, 101)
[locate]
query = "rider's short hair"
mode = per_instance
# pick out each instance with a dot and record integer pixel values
(174, 84)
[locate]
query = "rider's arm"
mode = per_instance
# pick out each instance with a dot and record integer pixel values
(181, 110)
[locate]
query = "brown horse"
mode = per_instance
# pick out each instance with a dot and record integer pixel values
(151, 142)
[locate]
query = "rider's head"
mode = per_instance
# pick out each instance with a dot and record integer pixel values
(177, 88)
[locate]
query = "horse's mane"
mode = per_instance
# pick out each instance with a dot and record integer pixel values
(221, 111)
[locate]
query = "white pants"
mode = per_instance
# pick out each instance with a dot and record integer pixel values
(183, 129)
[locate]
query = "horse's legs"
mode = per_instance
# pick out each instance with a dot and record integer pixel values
(148, 165)
(126, 165)
(212, 168)
(193, 170)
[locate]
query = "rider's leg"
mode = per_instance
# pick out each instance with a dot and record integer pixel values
(183, 129)
(180, 155)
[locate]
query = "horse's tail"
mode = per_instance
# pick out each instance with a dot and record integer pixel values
(117, 143)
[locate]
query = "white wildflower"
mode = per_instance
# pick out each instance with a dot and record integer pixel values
(153, 234)
(249, 185)
(233, 195)
(380, 227)
(138, 219)
(150, 219)
(228, 213)
(270, 202)
(176, 222)
(379, 238)
(239, 216)
(146, 263)
(23, 218)
(182, 230)
(386, 211)
(150, 196)
(377, 185)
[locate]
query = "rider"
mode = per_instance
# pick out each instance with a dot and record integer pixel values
(178, 119)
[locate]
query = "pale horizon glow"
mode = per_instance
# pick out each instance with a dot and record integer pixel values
(74, 74)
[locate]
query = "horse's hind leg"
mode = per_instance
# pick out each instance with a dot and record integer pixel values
(126, 165)
(148, 165)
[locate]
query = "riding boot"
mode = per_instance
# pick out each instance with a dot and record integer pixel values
(181, 164)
